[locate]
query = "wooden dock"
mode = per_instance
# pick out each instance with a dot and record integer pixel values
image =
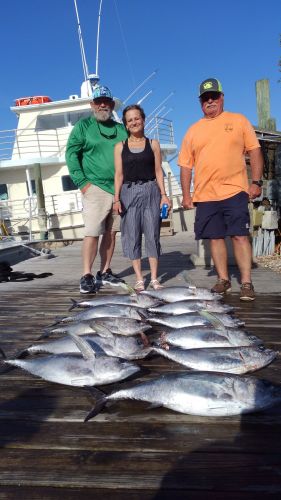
(128, 451)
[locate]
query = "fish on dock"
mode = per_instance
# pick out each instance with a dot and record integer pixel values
(121, 326)
(189, 306)
(197, 337)
(117, 346)
(77, 370)
(201, 318)
(106, 311)
(237, 360)
(134, 300)
(179, 293)
(198, 393)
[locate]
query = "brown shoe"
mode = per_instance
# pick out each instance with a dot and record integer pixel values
(247, 292)
(222, 286)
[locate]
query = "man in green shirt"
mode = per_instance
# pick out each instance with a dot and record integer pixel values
(90, 160)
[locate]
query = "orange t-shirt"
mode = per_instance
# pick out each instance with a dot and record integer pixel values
(215, 148)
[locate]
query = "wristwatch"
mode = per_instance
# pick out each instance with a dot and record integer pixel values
(258, 183)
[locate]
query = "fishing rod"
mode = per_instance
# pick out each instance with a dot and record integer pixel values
(139, 86)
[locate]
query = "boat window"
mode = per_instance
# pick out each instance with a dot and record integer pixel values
(50, 122)
(3, 192)
(60, 120)
(33, 187)
(67, 183)
(77, 115)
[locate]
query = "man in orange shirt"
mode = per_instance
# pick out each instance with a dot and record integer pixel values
(215, 148)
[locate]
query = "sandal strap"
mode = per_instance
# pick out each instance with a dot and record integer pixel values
(139, 285)
(156, 285)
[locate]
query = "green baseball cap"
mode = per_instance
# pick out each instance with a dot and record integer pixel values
(210, 85)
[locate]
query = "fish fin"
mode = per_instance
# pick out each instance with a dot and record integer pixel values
(4, 366)
(84, 346)
(21, 354)
(100, 398)
(74, 304)
(152, 406)
(212, 319)
(3, 354)
(187, 279)
(143, 314)
(127, 288)
(103, 331)
(46, 333)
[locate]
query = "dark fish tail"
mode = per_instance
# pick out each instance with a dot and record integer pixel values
(100, 398)
(144, 315)
(47, 332)
(4, 368)
(3, 354)
(21, 354)
(74, 304)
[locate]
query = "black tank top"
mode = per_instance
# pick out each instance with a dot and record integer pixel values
(138, 166)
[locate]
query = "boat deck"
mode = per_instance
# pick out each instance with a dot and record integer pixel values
(128, 450)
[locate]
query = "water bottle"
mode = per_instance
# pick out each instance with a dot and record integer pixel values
(164, 211)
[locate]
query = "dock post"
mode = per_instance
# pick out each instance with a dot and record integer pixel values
(42, 216)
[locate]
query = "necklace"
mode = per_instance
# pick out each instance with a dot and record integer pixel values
(136, 140)
(108, 136)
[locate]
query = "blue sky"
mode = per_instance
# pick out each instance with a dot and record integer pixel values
(185, 40)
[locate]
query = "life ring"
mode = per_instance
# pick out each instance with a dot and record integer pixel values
(27, 101)
(32, 202)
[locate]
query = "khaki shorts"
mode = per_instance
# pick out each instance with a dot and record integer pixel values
(97, 212)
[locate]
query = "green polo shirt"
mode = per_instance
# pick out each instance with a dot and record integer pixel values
(89, 152)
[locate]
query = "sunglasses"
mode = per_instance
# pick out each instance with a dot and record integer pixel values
(108, 136)
(100, 100)
(210, 95)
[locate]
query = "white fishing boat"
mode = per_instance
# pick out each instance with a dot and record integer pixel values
(38, 200)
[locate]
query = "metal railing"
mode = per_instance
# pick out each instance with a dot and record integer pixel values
(161, 129)
(22, 143)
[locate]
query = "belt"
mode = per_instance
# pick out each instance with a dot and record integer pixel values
(140, 181)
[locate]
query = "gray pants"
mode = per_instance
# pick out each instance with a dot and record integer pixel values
(141, 206)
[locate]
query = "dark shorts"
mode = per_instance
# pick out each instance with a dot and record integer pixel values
(218, 219)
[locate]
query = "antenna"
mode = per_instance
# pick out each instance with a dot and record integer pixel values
(98, 38)
(83, 55)
(139, 86)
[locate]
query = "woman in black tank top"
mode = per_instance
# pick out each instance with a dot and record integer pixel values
(139, 194)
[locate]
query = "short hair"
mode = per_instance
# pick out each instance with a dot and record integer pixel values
(129, 108)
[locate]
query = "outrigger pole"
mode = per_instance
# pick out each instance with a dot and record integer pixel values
(83, 55)
(87, 76)
(98, 39)
(139, 86)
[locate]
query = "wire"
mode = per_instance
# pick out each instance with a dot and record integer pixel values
(125, 45)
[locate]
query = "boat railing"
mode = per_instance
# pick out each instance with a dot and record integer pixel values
(18, 144)
(160, 128)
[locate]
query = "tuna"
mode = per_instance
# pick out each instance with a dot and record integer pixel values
(179, 293)
(184, 320)
(134, 300)
(189, 306)
(237, 360)
(122, 326)
(78, 369)
(117, 346)
(197, 337)
(198, 393)
(106, 311)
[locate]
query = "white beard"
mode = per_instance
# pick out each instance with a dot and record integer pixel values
(103, 116)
